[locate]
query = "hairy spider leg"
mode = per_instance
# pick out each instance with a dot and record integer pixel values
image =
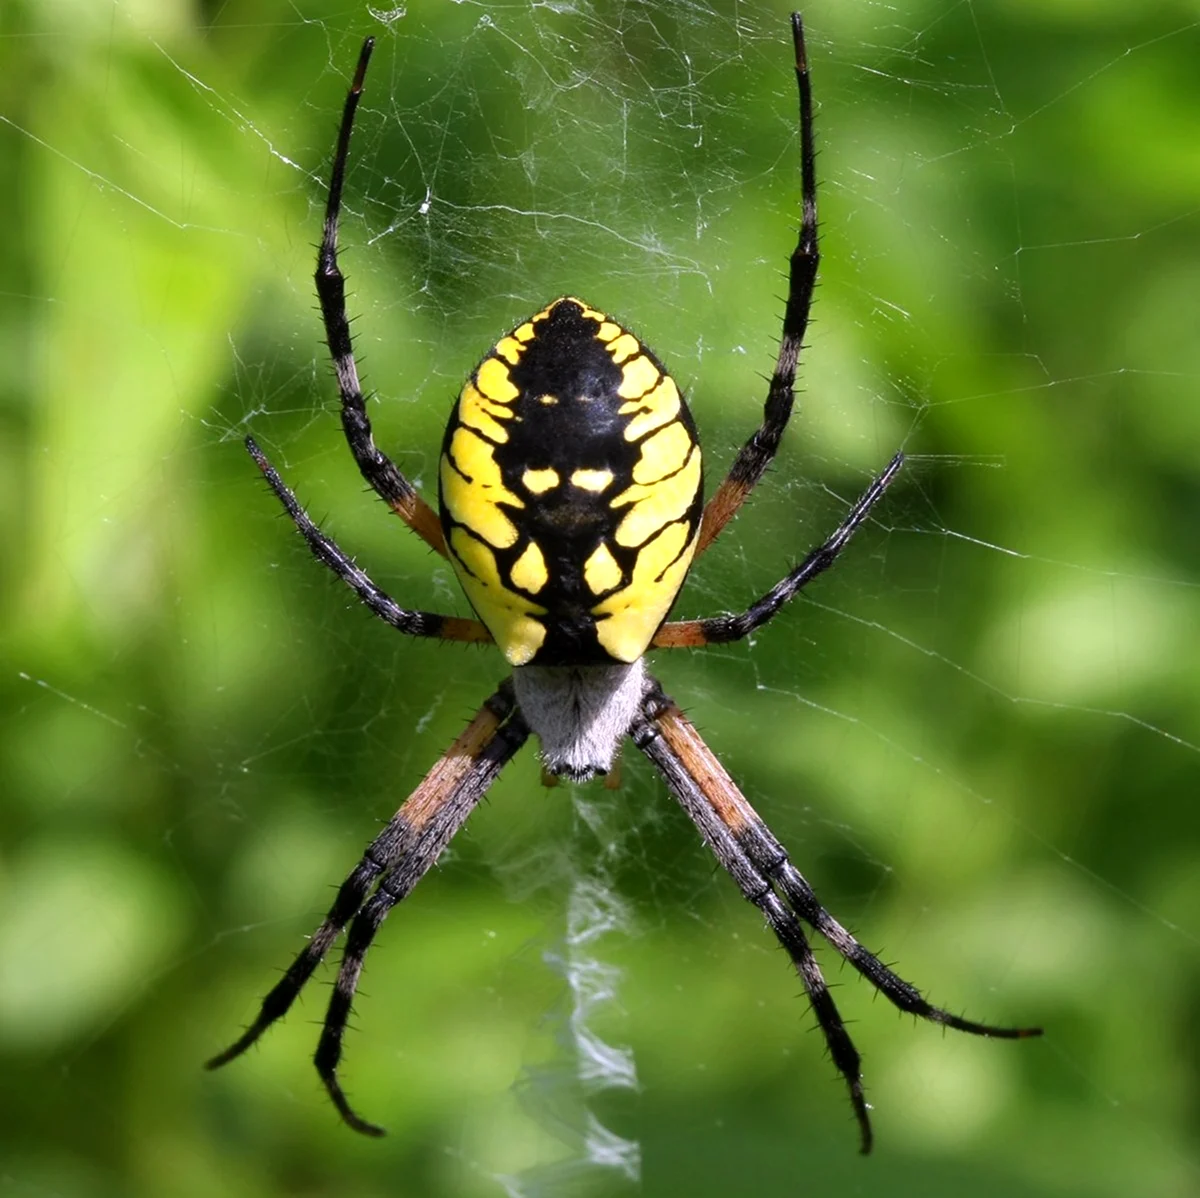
(435, 818)
(394, 863)
(381, 473)
(755, 456)
(745, 846)
(719, 630)
(327, 552)
(779, 917)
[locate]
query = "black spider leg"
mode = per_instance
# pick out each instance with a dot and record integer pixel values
(400, 855)
(381, 855)
(757, 889)
(721, 629)
(381, 472)
(730, 809)
(755, 456)
(771, 857)
(326, 551)
(444, 815)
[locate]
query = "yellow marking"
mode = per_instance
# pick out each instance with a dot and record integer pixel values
(659, 555)
(657, 504)
(492, 379)
(548, 400)
(601, 572)
(510, 617)
(657, 408)
(592, 480)
(588, 311)
(538, 481)
(663, 453)
(525, 332)
(475, 458)
(529, 570)
(637, 377)
(625, 346)
(484, 417)
(473, 500)
(478, 559)
(510, 350)
(608, 331)
(635, 612)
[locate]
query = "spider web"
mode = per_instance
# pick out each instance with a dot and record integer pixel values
(978, 735)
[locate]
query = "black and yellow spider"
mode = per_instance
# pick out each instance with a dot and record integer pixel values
(571, 510)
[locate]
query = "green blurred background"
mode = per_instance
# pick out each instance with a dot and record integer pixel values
(979, 736)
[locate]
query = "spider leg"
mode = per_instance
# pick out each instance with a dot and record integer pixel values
(755, 456)
(400, 855)
(434, 818)
(754, 885)
(769, 856)
(721, 629)
(326, 551)
(718, 808)
(381, 473)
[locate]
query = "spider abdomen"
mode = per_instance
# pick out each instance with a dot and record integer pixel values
(571, 490)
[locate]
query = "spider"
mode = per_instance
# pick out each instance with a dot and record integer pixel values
(571, 508)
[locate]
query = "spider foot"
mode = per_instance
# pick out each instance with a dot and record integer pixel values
(937, 1015)
(347, 1112)
(239, 1046)
(862, 1114)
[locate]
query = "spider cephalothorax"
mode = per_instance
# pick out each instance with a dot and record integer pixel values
(571, 509)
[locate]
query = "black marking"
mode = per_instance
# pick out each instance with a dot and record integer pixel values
(682, 550)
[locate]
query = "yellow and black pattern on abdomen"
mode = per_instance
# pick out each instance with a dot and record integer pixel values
(571, 490)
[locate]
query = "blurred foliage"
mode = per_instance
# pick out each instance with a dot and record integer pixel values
(979, 736)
